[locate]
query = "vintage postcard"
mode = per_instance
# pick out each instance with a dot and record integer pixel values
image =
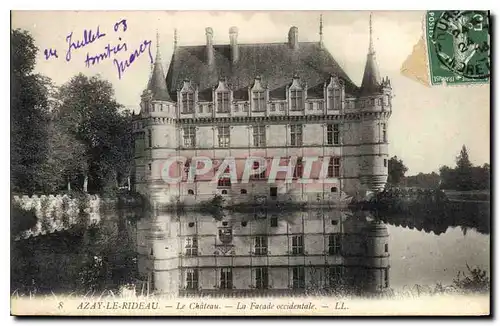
(244, 163)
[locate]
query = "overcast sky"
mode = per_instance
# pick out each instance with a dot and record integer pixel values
(428, 124)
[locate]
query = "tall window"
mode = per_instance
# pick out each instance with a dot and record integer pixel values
(298, 277)
(296, 135)
(150, 141)
(320, 105)
(384, 132)
(334, 167)
(259, 136)
(259, 101)
(189, 136)
(334, 98)
(224, 136)
(333, 134)
(335, 274)
(192, 279)
(298, 245)
(191, 246)
(296, 100)
(334, 244)
(224, 182)
(226, 278)
(223, 102)
(299, 168)
(187, 100)
(261, 278)
(261, 175)
(261, 245)
(386, 277)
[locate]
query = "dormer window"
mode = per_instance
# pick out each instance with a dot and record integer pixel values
(296, 99)
(187, 100)
(334, 98)
(259, 101)
(223, 102)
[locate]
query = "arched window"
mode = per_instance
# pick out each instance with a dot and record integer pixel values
(190, 192)
(334, 189)
(224, 192)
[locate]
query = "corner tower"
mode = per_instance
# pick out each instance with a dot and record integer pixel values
(154, 134)
(374, 104)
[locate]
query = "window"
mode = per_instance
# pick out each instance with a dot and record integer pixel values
(236, 107)
(224, 192)
(334, 99)
(259, 136)
(149, 167)
(192, 279)
(296, 135)
(333, 134)
(386, 100)
(299, 169)
(296, 100)
(200, 108)
(191, 246)
(190, 192)
(385, 163)
(245, 107)
(379, 102)
(261, 245)
(311, 106)
(282, 106)
(386, 247)
(243, 191)
(320, 105)
(261, 175)
(189, 136)
(333, 189)
(274, 221)
(273, 107)
(223, 102)
(224, 182)
(298, 245)
(150, 141)
(334, 167)
(224, 136)
(335, 274)
(226, 278)
(334, 244)
(261, 278)
(384, 132)
(298, 277)
(187, 100)
(386, 277)
(259, 101)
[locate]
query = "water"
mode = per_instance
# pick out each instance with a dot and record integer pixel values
(254, 252)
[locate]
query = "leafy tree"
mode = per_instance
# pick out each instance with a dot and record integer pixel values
(396, 170)
(465, 176)
(463, 162)
(92, 117)
(29, 116)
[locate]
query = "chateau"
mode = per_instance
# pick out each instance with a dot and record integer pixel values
(265, 253)
(290, 100)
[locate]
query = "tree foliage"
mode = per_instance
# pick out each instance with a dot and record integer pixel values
(465, 176)
(396, 170)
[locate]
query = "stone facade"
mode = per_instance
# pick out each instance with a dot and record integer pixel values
(220, 101)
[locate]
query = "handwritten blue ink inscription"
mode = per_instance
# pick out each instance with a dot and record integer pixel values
(121, 66)
(88, 38)
(109, 50)
(50, 53)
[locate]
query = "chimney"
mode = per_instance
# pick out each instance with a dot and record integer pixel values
(293, 38)
(233, 40)
(210, 45)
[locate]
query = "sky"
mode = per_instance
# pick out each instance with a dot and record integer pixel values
(428, 125)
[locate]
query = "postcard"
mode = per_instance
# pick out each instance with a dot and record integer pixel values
(250, 163)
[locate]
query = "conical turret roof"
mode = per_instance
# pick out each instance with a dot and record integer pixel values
(371, 77)
(157, 83)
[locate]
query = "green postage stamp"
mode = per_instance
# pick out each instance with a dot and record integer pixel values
(458, 44)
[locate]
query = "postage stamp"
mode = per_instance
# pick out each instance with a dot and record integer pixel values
(226, 163)
(458, 43)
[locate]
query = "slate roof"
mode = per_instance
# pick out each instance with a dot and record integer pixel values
(371, 77)
(156, 83)
(275, 63)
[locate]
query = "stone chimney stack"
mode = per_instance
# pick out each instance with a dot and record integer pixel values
(293, 38)
(233, 40)
(210, 45)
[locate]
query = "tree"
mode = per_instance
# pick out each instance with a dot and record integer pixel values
(29, 117)
(91, 115)
(396, 170)
(463, 162)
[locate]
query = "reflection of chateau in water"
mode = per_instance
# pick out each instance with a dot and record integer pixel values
(248, 252)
